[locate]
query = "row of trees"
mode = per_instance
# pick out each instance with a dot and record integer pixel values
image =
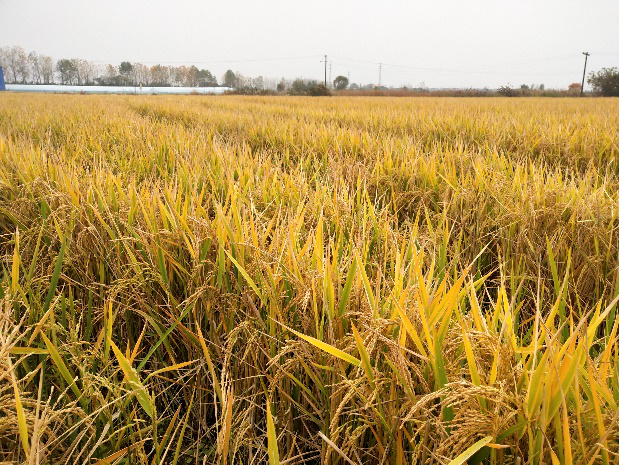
(21, 67)
(31, 68)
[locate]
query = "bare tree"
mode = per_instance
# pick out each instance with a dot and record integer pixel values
(258, 82)
(7, 59)
(21, 64)
(15, 62)
(3, 59)
(78, 76)
(191, 76)
(86, 71)
(242, 81)
(110, 74)
(179, 74)
(35, 67)
(140, 74)
(47, 69)
(160, 75)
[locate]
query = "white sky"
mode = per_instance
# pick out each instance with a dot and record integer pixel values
(444, 43)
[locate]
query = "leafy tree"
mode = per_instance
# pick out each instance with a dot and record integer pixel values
(507, 91)
(230, 79)
(298, 87)
(605, 82)
(317, 90)
(67, 70)
(574, 88)
(206, 78)
(340, 82)
(125, 68)
(281, 86)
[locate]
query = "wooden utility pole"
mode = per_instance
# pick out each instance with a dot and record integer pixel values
(582, 86)
(325, 70)
(330, 81)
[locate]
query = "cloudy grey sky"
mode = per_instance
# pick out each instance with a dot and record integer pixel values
(444, 43)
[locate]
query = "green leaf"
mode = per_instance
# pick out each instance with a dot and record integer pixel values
(350, 279)
(271, 438)
(55, 276)
(64, 370)
(365, 358)
(134, 382)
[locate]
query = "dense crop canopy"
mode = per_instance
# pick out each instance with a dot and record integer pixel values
(241, 280)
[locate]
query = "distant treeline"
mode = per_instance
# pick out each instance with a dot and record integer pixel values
(524, 91)
(21, 67)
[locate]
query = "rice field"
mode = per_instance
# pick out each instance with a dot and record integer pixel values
(248, 280)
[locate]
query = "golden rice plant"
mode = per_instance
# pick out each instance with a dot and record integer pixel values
(244, 280)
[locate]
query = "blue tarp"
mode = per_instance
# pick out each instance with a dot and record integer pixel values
(2, 86)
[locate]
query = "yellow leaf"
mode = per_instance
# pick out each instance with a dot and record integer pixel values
(21, 414)
(110, 459)
(171, 368)
(16, 350)
(467, 454)
(16, 263)
(410, 329)
(328, 348)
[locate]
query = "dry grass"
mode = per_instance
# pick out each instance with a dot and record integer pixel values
(243, 280)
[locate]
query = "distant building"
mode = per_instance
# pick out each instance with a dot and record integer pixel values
(2, 86)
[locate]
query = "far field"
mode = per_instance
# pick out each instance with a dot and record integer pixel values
(246, 280)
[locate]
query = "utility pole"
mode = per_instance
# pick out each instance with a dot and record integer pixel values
(330, 80)
(325, 70)
(380, 74)
(582, 87)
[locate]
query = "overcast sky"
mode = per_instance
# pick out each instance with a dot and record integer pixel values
(443, 43)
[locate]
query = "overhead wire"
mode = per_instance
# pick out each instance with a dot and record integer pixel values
(164, 62)
(475, 70)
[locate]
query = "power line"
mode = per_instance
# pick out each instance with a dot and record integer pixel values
(163, 62)
(407, 70)
(476, 69)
